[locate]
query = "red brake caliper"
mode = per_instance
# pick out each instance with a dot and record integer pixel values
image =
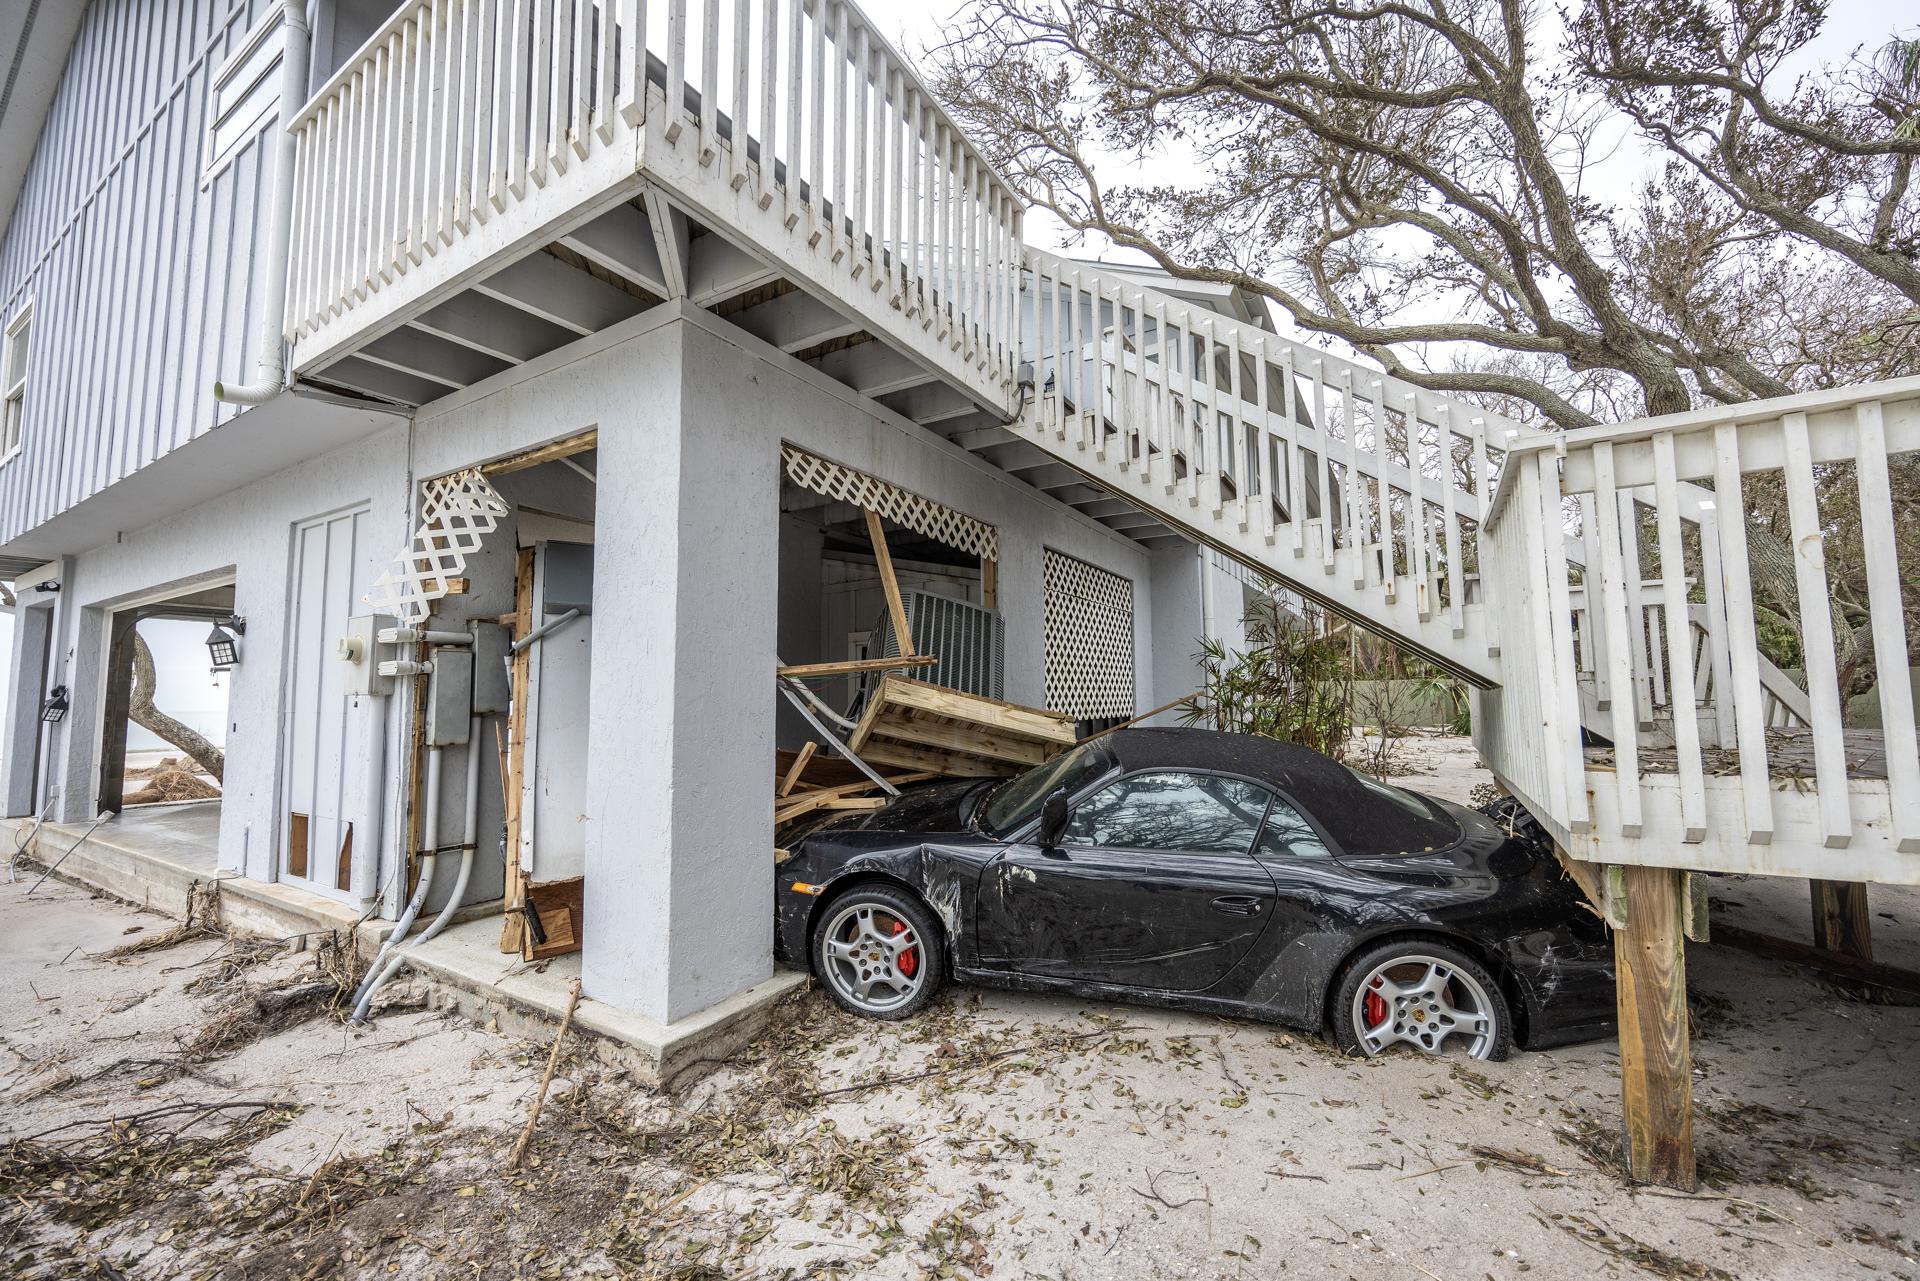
(909, 959)
(1375, 1009)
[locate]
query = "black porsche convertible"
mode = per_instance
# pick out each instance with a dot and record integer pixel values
(1205, 871)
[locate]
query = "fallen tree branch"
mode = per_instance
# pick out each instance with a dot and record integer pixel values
(546, 1080)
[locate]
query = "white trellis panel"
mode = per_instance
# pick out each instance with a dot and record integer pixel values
(1089, 639)
(903, 507)
(457, 512)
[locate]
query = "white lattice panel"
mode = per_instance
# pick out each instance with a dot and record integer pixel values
(1089, 631)
(903, 507)
(457, 512)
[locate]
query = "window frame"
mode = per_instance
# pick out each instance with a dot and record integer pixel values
(18, 333)
(1272, 793)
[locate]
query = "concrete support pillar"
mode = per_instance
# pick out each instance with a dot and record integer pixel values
(799, 625)
(71, 760)
(27, 686)
(681, 736)
(1656, 1060)
(1841, 920)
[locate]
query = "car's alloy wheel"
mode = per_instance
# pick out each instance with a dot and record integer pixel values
(878, 952)
(1425, 996)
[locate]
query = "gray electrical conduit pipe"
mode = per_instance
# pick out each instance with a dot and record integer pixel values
(430, 826)
(470, 832)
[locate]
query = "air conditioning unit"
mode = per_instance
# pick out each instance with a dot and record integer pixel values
(969, 641)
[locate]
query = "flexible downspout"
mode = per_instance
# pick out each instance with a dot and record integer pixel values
(430, 833)
(270, 375)
(469, 837)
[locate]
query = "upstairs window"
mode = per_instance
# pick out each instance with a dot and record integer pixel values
(13, 366)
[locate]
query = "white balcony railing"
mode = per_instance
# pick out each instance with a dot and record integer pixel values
(1661, 507)
(469, 125)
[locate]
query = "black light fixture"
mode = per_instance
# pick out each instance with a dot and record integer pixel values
(55, 707)
(221, 643)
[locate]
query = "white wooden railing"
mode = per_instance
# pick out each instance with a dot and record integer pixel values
(1629, 494)
(1365, 489)
(458, 115)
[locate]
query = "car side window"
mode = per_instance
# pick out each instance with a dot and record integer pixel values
(1198, 813)
(1287, 834)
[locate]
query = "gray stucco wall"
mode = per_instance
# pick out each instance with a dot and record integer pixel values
(687, 620)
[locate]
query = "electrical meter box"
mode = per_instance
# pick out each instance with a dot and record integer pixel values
(492, 685)
(360, 653)
(450, 696)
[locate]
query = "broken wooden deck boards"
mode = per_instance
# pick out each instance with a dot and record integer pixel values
(1789, 756)
(911, 724)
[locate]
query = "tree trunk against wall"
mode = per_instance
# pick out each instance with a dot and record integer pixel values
(143, 713)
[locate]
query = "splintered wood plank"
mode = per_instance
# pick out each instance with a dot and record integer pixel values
(560, 905)
(976, 709)
(296, 844)
(966, 740)
(825, 797)
(903, 635)
(856, 666)
(513, 924)
(1841, 921)
(1656, 1061)
(798, 767)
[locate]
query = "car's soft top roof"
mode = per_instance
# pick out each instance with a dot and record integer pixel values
(1356, 817)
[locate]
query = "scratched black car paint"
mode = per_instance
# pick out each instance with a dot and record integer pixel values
(1173, 927)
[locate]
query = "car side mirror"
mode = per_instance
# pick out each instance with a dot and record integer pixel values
(1053, 819)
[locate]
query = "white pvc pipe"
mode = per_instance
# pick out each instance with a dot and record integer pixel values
(430, 834)
(470, 832)
(270, 377)
(366, 870)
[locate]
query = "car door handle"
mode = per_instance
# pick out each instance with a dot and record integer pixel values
(1237, 905)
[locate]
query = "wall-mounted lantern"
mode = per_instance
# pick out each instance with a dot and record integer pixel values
(54, 709)
(221, 644)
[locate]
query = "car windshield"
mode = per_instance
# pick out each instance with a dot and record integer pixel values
(1016, 801)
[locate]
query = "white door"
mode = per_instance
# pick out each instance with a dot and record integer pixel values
(323, 732)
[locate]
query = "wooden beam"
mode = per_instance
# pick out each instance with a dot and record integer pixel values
(857, 666)
(874, 369)
(565, 447)
(888, 583)
(1841, 921)
(427, 355)
(492, 327)
(989, 582)
(513, 923)
(543, 286)
(798, 767)
(1904, 982)
(672, 241)
(721, 269)
(622, 241)
(794, 321)
(381, 381)
(1656, 1060)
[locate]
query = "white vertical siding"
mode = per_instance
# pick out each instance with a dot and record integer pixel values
(141, 279)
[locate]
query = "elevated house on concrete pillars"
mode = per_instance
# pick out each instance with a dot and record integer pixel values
(524, 375)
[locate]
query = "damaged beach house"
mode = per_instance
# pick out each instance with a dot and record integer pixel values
(598, 431)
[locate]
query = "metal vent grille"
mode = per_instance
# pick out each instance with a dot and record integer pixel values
(1089, 630)
(969, 641)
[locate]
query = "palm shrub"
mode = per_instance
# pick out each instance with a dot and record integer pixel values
(1292, 681)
